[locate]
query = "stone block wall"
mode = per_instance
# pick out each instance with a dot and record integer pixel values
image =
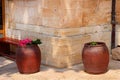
(62, 25)
(118, 23)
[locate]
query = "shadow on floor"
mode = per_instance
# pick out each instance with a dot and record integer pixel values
(9, 67)
(114, 64)
(75, 68)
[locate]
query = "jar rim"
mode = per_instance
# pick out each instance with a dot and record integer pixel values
(97, 45)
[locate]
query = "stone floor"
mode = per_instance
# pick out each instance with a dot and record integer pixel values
(8, 71)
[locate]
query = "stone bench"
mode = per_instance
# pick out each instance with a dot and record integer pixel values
(5, 45)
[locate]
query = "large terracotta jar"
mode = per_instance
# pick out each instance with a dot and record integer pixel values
(95, 58)
(28, 59)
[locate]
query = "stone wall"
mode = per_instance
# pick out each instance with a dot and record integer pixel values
(118, 23)
(118, 11)
(62, 25)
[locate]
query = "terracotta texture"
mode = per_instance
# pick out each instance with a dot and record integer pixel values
(95, 58)
(28, 59)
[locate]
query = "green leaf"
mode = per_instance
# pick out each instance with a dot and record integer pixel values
(37, 41)
(93, 43)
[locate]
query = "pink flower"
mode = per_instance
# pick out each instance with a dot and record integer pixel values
(24, 42)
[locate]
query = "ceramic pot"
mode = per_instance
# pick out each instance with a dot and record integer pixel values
(95, 58)
(28, 59)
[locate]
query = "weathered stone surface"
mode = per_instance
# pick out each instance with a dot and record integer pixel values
(116, 53)
(118, 11)
(60, 14)
(65, 32)
(96, 12)
(62, 25)
(61, 51)
(117, 37)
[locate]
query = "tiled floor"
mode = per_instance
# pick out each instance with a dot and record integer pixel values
(8, 71)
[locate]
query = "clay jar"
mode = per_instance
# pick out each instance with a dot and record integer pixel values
(95, 58)
(28, 59)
